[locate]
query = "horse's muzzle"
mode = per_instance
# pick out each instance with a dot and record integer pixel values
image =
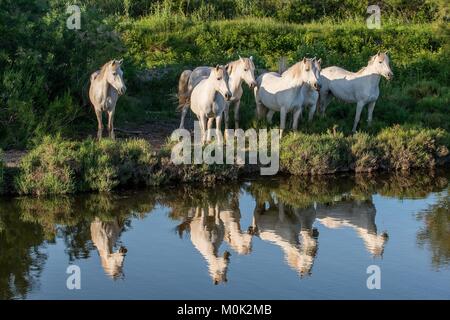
(253, 85)
(228, 96)
(390, 76)
(316, 86)
(122, 90)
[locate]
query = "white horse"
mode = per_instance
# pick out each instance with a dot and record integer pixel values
(207, 234)
(360, 87)
(238, 71)
(104, 236)
(309, 96)
(106, 86)
(280, 93)
(208, 99)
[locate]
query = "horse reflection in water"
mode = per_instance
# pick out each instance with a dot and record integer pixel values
(290, 229)
(209, 226)
(359, 215)
(104, 236)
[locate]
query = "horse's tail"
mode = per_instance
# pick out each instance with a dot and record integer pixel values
(282, 65)
(183, 92)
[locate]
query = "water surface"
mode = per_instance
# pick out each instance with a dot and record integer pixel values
(276, 238)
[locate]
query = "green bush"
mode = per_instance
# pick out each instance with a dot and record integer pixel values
(407, 148)
(57, 166)
(366, 152)
(314, 154)
(395, 148)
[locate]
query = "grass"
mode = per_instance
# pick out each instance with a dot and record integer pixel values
(419, 94)
(58, 166)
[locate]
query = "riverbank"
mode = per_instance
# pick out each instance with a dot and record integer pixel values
(59, 166)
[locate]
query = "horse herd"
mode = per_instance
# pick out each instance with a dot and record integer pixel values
(210, 91)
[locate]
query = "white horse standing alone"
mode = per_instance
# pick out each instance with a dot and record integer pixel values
(208, 99)
(106, 86)
(279, 93)
(360, 87)
(241, 70)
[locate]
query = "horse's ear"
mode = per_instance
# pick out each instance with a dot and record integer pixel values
(251, 58)
(217, 68)
(319, 61)
(229, 68)
(304, 59)
(378, 53)
(120, 62)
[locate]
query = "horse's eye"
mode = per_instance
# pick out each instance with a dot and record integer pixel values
(307, 69)
(219, 79)
(245, 70)
(381, 62)
(114, 74)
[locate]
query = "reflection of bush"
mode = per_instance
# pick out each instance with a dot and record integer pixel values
(186, 198)
(435, 234)
(21, 260)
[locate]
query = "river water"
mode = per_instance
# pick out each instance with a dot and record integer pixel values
(272, 238)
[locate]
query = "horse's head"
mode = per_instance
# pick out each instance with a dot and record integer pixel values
(310, 73)
(219, 269)
(317, 63)
(380, 64)
(114, 75)
(219, 76)
(246, 71)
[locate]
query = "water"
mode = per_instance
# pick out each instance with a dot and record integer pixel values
(277, 238)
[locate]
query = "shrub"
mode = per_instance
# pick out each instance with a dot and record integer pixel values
(407, 148)
(57, 166)
(365, 152)
(315, 153)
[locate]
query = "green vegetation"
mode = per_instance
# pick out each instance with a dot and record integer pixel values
(57, 166)
(395, 148)
(45, 67)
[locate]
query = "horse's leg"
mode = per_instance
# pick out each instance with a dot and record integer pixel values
(203, 121)
(269, 116)
(226, 113)
(218, 126)
(111, 124)
(98, 113)
(283, 113)
(312, 111)
(260, 109)
(324, 100)
(236, 113)
(210, 125)
(371, 106)
(359, 107)
(183, 115)
(296, 116)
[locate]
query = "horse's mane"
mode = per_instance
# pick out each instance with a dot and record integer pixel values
(293, 71)
(232, 64)
(103, 69)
